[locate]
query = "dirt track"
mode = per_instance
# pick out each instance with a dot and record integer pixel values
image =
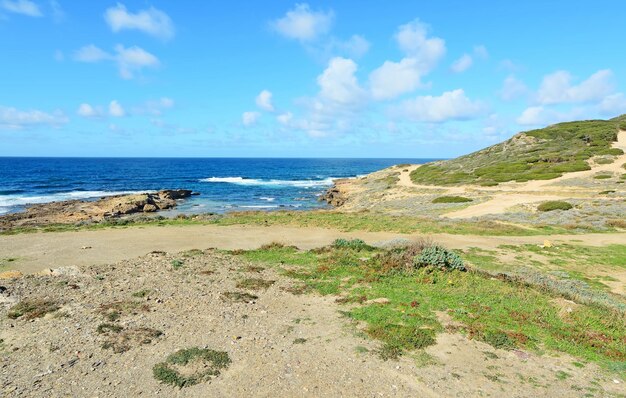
(34, 252)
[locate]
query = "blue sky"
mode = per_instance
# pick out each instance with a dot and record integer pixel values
(283, 79)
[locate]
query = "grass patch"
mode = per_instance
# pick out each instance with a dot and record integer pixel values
(603, 176)
(141, 293)
(119, 339)
(255, 284)
(115, 310)
(239, 297)
(452, 199)
(503, 312)
(554, 205)
(176, 264)
(191, 366)
(32, 308)
(541, 154)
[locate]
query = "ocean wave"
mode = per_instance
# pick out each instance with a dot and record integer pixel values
(272, 183)
(259, 206)
(9, 201)
(267, 199)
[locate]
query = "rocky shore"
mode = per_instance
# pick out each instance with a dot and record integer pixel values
(73, 211)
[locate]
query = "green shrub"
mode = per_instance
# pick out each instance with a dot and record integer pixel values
(31, 309)
(439, 257)
(452, 199)
(354, 244)
(182, 369)
(602, 176)
(554, 205)
(176, 264)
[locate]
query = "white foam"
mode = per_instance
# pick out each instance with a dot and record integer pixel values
(8, 201)
(260, 207)
(276, 183)
(268, 199)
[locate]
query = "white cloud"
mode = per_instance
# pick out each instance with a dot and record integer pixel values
(512, 89)
(128, 60)
(58, 15)
(151, 21)
(395, 78)
(91, 53)
(264, 101)
(285, 118)
(24, 7)
(541, 116)
(250, 118)
(414, 41)
(15, 119)
(115, 109)
(557, 88)
(86, 110)
(462, 64)
(338, 82)
(451, 105)
(613, 105)
(423, 53)
(302, 24)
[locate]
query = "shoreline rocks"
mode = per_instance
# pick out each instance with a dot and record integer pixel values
(73, 211)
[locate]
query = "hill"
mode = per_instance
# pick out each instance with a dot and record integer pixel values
(541, 154)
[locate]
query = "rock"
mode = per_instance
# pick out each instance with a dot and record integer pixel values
(175, 193)
(149, 208)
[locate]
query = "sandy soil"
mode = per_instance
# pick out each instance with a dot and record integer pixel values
(62, 354)
(35, 252)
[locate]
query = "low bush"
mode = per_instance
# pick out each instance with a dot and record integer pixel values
(602, 176)
(452, 199)
(354, 244)
(554, 205)
(439, 257)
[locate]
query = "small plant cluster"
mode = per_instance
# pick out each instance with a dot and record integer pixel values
(354, 244)
(452, 199)
(33, 308)
(554, 205)
(439, 257)
(191, 366)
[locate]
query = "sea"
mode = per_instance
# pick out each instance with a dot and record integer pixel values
(223, 184)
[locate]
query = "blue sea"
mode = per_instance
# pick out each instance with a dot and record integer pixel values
(224, 184)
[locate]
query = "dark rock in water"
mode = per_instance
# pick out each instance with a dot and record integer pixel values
(175, 193)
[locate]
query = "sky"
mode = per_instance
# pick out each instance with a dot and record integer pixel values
(401, 79)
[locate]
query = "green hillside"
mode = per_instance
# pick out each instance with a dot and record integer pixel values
(540, 154)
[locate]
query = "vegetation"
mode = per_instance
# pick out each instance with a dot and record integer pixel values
(191, 366)
(254, 284)
(503, 312)
(32, 308)
(119, 339)
(239, 297)
(176, 264)
(452, 199)
(439, 257)
(363, 221)
(541, 154)
(554, 205)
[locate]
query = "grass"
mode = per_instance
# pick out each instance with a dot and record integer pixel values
(502, 312)
(363, 221)
(176, 264)
(119, 339)
(541, 154)
(554, 205)
(452, 199)
(191, 366)
(32, 308)
(115, 310)
(239, 297)
(254, 284)
(141, 293)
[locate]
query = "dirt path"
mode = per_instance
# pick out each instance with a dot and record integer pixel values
(34, 252)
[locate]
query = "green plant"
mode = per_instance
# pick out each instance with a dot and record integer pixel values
(452, 199)
(176, 264)
(602, 176)
(354, 244)
(32, 308)
(254, 283)
(191, 366)
(554, 205)
(141, 293)
(439, 257)
(109, 328)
